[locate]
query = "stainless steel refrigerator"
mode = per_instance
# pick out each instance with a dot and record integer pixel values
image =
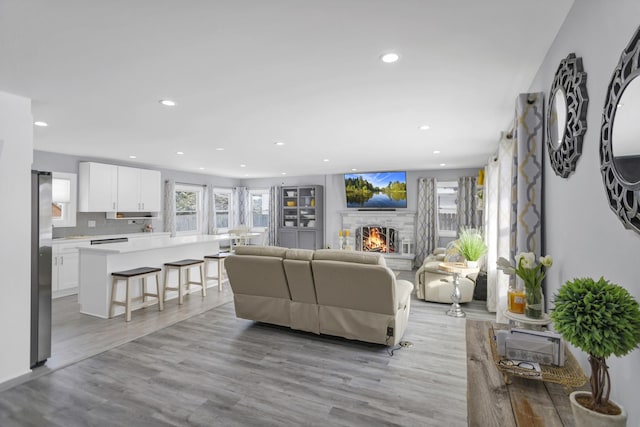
(41, 235)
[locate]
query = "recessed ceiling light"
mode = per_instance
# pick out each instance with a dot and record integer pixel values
(180, 153)
(167, 102)
(283, 173)
(424, 127)
(41, 124)
(201, 168)
(133, 157)
(353, 169)
(443, 164)
(246, 174)
(219, 149)
(325, 160)
(389, 57)
(243, 165)
(279, 143)
(436, 151)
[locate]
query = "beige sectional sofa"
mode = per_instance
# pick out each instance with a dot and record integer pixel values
(348, 294)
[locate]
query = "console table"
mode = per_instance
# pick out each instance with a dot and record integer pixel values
(524, 402)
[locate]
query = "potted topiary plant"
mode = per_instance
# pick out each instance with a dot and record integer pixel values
(471, 246)
(601, 319)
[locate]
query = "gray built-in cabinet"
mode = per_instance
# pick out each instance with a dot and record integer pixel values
(301, 224)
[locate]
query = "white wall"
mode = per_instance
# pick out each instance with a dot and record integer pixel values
(16, 147)
(582, 234)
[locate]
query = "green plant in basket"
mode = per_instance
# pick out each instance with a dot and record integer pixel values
(470, 244)
(601, 319)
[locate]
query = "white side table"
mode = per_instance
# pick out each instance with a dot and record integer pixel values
(456, 268)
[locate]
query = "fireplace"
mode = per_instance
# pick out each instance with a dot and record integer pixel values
(375, 238)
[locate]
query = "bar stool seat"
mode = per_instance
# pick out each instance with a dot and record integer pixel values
(128, 276)
(180, 266)
(219, 257)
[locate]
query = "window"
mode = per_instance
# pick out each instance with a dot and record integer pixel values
(189, 209)
(63, 199)
(447, 208)
(259, 208)
(222, 207)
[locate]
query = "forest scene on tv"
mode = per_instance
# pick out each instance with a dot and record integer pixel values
(376, 190)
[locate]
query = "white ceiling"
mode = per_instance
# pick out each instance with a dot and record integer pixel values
(247, 73)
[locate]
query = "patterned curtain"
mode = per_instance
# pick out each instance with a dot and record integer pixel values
(273, 217)
(427, 225)
(519, 214)
(241, 205)
(169, 211)
(466, 202)
(527, 221)
(210, 205)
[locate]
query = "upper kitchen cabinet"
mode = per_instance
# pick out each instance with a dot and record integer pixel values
(139, 190)
(112, 189)
(98, 187)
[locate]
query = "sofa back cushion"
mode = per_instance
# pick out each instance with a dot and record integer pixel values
(273, 251)
(297, 266)
(354, 285)
(358, 257)
(257, 275)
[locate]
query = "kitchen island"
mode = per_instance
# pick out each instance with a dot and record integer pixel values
(98, 262)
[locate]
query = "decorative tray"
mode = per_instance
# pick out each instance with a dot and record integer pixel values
(569, 375)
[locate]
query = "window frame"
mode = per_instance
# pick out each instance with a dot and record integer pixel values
(447, 210)
(229, 192)
(70, 208)
(262, 192)
(200, 208)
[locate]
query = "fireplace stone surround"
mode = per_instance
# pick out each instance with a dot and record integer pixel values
(404, 223)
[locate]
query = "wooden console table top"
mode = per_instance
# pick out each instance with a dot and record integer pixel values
(524, 402)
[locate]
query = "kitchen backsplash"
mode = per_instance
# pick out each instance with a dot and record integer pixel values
(102, 226)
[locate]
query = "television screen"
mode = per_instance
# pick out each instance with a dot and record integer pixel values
(376, 190)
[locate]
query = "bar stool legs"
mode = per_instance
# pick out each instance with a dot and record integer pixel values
(180, 266)
(128, 276)
(220, 260)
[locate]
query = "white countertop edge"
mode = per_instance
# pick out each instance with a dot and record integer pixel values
(152, 244)
(108, 236)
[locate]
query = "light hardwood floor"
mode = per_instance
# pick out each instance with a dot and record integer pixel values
(215, 369)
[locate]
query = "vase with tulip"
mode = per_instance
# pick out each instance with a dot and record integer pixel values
(532, 275)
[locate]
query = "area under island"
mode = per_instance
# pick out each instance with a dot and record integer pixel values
(98, 262)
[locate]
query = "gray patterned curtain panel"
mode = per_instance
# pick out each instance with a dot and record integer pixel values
(427, 225)
(169, 211)
(273, 216)
(466, 202)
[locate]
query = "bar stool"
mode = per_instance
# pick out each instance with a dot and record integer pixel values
(220, 257)
(128, 276)
(185, 264)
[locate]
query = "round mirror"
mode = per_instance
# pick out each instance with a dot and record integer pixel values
(567, 115)
(620, 137)
(558, 118)
(625, 138)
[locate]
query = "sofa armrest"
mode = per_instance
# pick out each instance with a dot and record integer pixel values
(403, 292)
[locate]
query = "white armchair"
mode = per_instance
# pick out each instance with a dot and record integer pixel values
(433, 284)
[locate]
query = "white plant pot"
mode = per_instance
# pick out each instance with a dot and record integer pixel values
(587, 418)
(472, 264)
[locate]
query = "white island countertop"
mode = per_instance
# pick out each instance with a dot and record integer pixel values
(157, 243)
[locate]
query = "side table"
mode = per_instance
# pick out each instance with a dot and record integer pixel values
(456, 268)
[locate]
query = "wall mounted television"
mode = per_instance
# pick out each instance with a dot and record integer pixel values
(376, 190)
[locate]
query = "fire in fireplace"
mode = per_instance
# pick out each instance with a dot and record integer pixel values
(377, 239)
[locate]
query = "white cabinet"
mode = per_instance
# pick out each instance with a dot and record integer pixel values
(98, 187)
(65, 270)
(110, 188)
(138, 190)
